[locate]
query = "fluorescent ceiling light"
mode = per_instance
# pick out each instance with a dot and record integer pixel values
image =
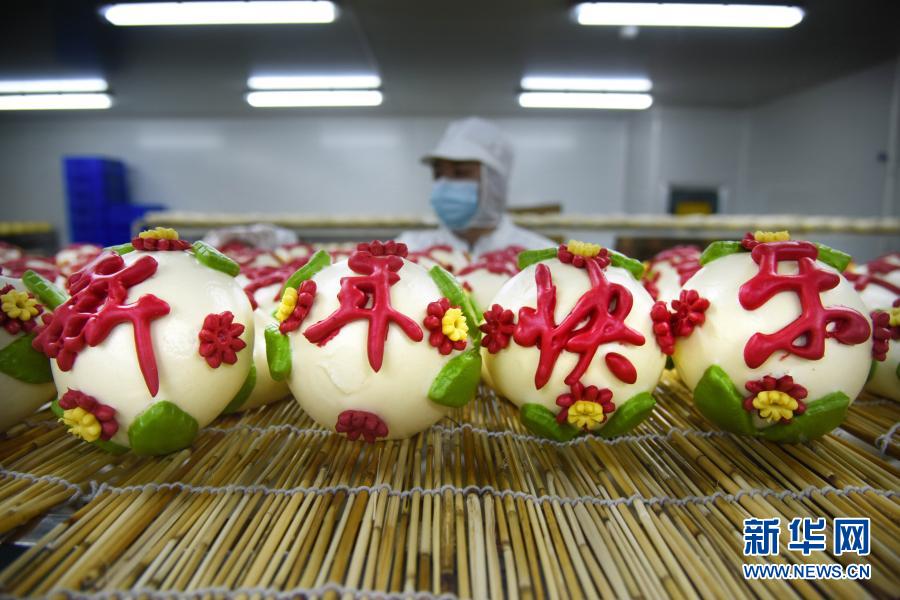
(308, 99)
(313, 82)
(55, 102)
(220, 13)
(587, 84)
(27, 86)
(649, 14)
(585, 100)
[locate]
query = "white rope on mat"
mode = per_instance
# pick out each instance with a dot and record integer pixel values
(805, 493)
(874, 402)
(19, 475)
(524, 437)
(267, 592)
(882, 441)
(519, 437)
(269, 428)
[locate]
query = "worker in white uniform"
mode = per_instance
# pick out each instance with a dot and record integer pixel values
(471, 167)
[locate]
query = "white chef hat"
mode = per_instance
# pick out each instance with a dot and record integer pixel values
(480, 140)
(475, 139)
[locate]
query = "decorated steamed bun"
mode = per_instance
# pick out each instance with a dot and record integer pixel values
(443, 255)
(25, 376)
(884, 378)
(74, 257)
(151, 345)
(570, 341)
(375, 346)
(878, 281)
(9, 252)
(259, 388)
(669, 270)
(484, 277)
(771, 339)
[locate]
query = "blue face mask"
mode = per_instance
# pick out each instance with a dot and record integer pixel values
(455, 201)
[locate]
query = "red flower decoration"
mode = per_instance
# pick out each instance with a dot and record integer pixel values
(306, 293)
(882, 332)
(356, 423)
(220, 339)
(782, 384)
(159, 245)
(688, 312)
(434, 323)
(749, 241)
(590, 393)
(105, 415)
(662, 328)
(576, 260)
(16, 326)
(498, 327)
(390, 248)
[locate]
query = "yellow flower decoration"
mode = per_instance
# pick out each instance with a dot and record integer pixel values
(895, 316)
(82, 424)
(19, 305)
(586, 415)
(454, 325)
(772, 236)
(288, 303)
(585, 249)
(775, 406)
(159, 233)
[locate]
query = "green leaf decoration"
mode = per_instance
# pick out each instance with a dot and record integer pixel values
(456, 383)
(670, 364)
(450, 288)
(56, 409)
(21, 361)
(121, 248)
(539, 420)
(720, 249)
(475, 308)
(316, 263)
(162, 429)
(833, 258)
(241, 397)
(821, 416)
(635, 267)
(530, 257)
(212, 258)
(45, 291)
(278, 352)
(718, 399)
(628, 416)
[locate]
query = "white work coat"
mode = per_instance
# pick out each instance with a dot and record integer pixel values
(506, 234)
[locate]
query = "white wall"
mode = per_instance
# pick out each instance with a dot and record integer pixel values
(817, 152)
(812, 152)
(290, 164)
(683, 146)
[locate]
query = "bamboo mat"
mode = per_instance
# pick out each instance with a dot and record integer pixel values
(268, 504)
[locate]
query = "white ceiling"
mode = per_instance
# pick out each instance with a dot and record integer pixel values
(459, 57)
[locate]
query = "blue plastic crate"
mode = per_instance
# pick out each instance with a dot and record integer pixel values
(99, 201)
(118, 219)
(94, 180)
